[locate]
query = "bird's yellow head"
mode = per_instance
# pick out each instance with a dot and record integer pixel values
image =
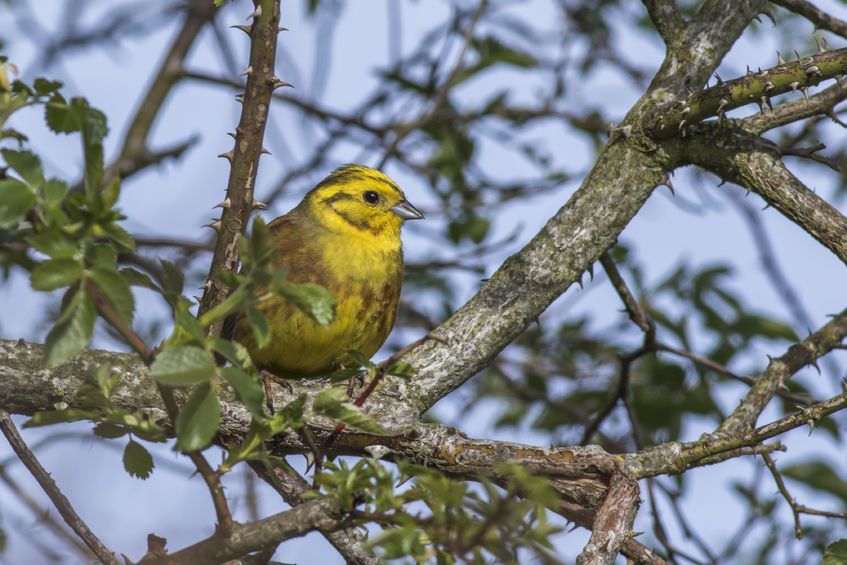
(359, 200)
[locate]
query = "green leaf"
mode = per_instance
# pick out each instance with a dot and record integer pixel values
(334, 403)
(137, 460)
(134, 277)
(56, 273)
(62, 117)
(16, 200)
(110, 431)
(836, 553)
(248, 389)
(198, 420)
(172, 278)
(59, 417)
(44, 86)
(116, 290)
(72, 332)
(183, 365)
(26, 164)
(53, 243)
(259, 323)
(112, 192)
(313, 299)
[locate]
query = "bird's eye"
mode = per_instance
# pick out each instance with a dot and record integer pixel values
(371, 197)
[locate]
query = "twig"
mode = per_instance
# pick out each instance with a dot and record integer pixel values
(350, 543)
(796, 509)
(821, 19)
(210, 476)
(443, 92)
(58, 499)
(321, 514)
(381, 370)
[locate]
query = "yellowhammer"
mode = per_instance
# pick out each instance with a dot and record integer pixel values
(344, 236)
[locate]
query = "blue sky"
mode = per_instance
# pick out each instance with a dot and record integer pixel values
(176, 198)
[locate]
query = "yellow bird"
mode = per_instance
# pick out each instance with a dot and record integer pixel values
(344, 236)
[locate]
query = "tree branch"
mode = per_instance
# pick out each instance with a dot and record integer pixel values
(244, 156)
(672, 119)
(754, 163)
(350, 543)
(59, 500)
(821, 19)
(613, 522)
(322, 514)
(198, 14)
(667, 19)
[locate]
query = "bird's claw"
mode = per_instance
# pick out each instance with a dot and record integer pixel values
(267, 379)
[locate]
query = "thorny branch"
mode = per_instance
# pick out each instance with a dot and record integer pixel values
(244, 156)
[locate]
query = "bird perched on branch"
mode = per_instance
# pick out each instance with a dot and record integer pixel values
(344, 236)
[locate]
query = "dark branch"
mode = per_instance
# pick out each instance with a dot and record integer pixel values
(58, 499)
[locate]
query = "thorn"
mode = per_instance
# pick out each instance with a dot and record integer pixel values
(723, 182)
(277, 82)
(240, 97)
(310, 460)
(197, 299)
(377, 452)
(244, 28)
(768, 86)
(719, 79)
(749, 72)
(793, 85)
(722, 104)
(839, 80)
(813, 70)
(247, 71)
(686, 110)
(666, 181)
(761, 103)
(797, 54)
(265, 151)
(760, 73)
(805, 91)
(757, 18)
(822, 45)
(232, 134)
(206, 285)
(225, 204)
(779, 58)
(403, 480)
(591, 271)
(681, 126)
(215, 225)
(279, 29)
(256, 13)
(768, 102)
(259, 205)
(579, 282)
(226, 155)
(768, 13)
(814, 364)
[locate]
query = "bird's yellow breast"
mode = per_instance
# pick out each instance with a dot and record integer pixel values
(362, 271)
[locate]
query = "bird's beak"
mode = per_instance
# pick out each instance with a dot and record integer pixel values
(406, 211)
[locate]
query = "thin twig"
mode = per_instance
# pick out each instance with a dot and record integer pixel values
(210, 476)
(380, 373)
(796, 509)
(58, 499)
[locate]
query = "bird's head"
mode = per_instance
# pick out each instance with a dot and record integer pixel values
(359, 200)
